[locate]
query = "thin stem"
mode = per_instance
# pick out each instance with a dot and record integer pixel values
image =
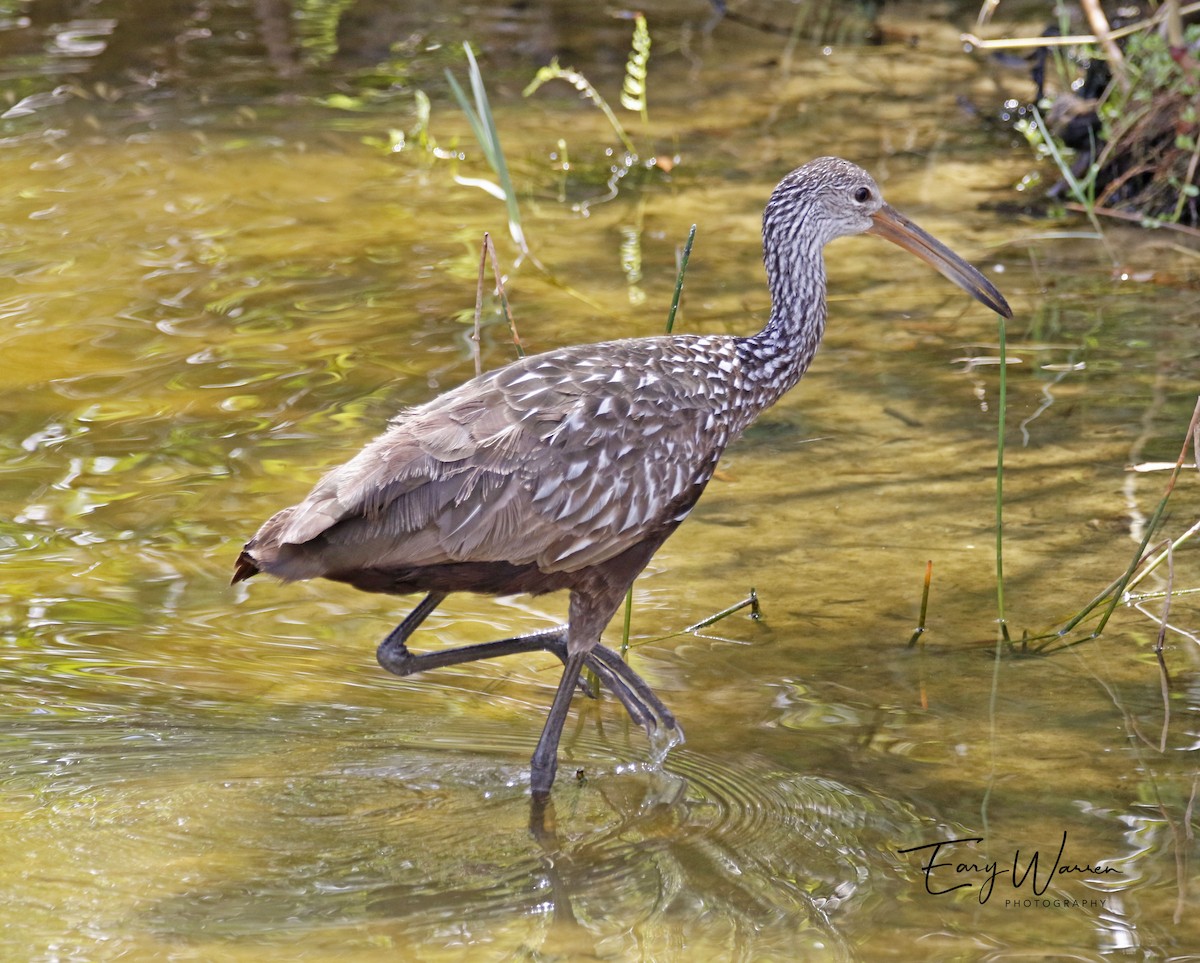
(554, 71)
(1002, 639)
(1084, 191)
(479, 305)
(1002, 403)
(1152, 563)
(628, 620)
(512, 324)
(750, 601)
(920, 630)
(683, 263)
(1071, 40)
(1164, 616)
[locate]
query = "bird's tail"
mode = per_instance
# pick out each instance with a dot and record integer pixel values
(245, 567)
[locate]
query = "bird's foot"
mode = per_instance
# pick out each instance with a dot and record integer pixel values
(643, 706)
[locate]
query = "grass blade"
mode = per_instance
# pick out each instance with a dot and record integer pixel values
(683, 263)
(1002, 404)
(920, 629)
(483, 126)
(628, 620)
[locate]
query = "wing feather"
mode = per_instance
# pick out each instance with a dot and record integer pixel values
(563, 460)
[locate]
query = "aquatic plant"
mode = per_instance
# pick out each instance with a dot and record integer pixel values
(555, 71)
(633, 88)
(483, 126)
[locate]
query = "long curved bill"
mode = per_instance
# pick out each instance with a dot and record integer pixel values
(893, 226)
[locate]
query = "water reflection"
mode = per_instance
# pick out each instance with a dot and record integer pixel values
(366, 835)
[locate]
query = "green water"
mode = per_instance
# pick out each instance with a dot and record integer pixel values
(215, 283)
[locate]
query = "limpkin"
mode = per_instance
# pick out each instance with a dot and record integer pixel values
(568, 469)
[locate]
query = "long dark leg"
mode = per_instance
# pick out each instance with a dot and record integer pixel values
(626, 685)
(404, 662)
(545, 757)
(393, 653)
(547, 640)
(591, 609)
(639, 700)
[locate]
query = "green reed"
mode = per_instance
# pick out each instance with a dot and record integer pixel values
(1002, 406)
(483, 126)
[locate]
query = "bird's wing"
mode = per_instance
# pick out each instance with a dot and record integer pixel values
(563, 460)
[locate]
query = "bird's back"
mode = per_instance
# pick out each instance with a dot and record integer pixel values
(560, 461)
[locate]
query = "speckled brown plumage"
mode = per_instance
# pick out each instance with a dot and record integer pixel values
(567, 470)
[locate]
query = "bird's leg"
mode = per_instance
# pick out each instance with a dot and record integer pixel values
(394, 656)
(544, 763)
(639, 700)
(405, 663)
(393, 651)
(643, 706)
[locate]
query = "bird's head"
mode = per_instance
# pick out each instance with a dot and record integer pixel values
(826, 198)
(829, 198)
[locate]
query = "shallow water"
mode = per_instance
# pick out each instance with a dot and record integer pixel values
(216, 283)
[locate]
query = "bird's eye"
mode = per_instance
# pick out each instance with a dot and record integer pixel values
(862, 195)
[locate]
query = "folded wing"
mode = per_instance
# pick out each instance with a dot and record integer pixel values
(561, 461)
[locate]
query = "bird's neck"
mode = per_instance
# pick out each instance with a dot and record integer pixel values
(777, 357)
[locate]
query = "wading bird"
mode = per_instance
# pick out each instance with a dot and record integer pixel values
(568, 469)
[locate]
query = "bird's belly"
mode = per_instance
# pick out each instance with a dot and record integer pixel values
(484, 578)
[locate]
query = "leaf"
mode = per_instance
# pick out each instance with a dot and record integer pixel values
(483, 126)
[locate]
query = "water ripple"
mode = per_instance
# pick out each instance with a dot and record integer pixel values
(335, 828)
